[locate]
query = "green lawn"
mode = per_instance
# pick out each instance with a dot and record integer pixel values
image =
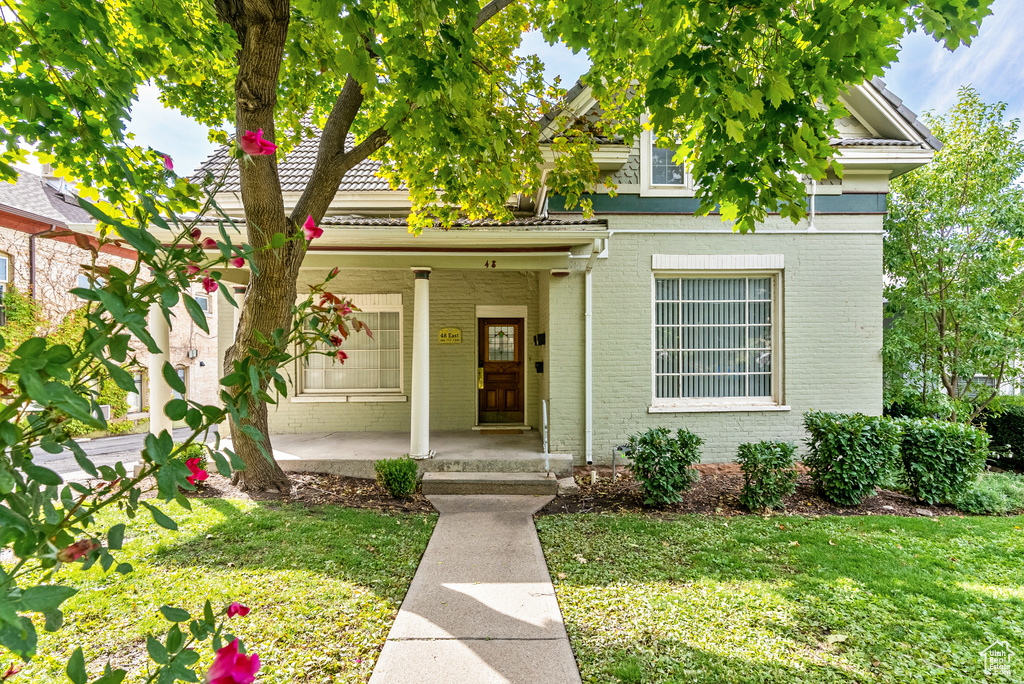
(324, 585)
(787, 599)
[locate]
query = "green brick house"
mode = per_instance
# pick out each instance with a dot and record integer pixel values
(584, 331)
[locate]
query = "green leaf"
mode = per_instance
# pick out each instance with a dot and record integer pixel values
(171, 376)
(196, 313)
(46, 597)
(176, 409)
(42, 475)
(156, 650)
(20, 640)
(115, 537)
(76, 667)
(173, 614)
(159, 517)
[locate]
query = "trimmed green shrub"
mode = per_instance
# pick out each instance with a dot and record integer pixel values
(194, 450)
(769, 474)
(663, 464)
(849, 453)
(397, 475)
(120, 427)
(1005, 426)
(941, 459)
(994, 494)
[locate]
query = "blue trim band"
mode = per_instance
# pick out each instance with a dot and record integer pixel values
(871, 203)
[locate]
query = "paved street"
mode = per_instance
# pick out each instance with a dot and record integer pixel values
(103, 451)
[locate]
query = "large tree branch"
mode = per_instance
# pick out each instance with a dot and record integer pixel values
(332, 160)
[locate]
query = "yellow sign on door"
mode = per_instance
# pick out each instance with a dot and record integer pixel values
(449, 336)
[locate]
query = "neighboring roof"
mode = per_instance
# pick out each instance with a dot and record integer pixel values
(296, 169)
(48, 200)
(375, 221)
(907, 113)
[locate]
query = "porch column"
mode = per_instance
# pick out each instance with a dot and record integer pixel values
(159, 390)
(419, 446)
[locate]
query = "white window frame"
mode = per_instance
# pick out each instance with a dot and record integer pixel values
(775, 402)
(647, 187)
(380, 303)
(5, 284)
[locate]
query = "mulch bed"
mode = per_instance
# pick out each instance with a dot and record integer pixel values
(314, 489)
(717, 493)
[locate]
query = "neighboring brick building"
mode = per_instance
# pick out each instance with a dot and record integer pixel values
(644, 316)
(48, 268)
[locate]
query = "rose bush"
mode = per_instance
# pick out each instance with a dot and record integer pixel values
(47, 523)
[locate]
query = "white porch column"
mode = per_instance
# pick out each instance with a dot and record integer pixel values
(159, 390)
(419, 446)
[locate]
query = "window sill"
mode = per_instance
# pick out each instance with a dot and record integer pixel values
(716, 408)
(349, 398)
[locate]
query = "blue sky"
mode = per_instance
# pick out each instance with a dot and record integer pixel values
(926, 77)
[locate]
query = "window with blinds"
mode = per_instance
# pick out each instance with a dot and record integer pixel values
(372, 364)
(713, 338)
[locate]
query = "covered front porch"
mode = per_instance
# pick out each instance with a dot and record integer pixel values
(352, 454)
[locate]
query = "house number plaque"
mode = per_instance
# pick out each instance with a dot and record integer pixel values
(449, 336)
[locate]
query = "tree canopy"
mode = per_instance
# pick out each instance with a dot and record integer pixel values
(954, 259)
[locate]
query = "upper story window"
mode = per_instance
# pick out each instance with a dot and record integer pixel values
(5, 272)
(659, 174)
(203, 300)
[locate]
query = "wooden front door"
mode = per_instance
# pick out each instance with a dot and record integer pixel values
(500, 374)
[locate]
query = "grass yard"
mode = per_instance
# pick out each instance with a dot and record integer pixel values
(324, 585)
(787, 599)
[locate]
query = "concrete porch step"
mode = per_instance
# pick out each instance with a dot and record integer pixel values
(488, 483)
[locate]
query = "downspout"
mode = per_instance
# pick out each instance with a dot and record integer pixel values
(588, 368)
(32, 259)
(814, 192)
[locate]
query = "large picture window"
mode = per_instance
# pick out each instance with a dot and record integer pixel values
(714, 339)
(373, 365)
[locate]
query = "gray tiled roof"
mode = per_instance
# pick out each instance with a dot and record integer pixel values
(907, 113)
(296, 169)
(524, 222)
(49, 200)
(873, 142)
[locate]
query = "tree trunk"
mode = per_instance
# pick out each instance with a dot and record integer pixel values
(261, 27)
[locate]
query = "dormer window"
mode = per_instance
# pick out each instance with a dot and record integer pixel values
(660, 176)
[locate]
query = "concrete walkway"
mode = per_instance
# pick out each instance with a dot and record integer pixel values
(481, 608)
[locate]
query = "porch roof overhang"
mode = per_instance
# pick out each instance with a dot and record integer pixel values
(533, 244)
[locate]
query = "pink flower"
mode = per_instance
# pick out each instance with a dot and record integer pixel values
(198, 474)
(191, 269)
(237, 262)
(310, 229)
(340, 356)
(336, 340)
(208, 243)
(168, 164)
(334, 272)
(77, 551)
(343, 309)
(254, 144)
(209, 284)
(231, 667)
(196, 233)
(237, 608)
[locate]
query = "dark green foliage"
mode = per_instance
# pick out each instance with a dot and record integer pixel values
(769, 474)
(994, 494)
(849, 453)
(1005, 426)
(397, 475)
(662, 464)
(941, 459)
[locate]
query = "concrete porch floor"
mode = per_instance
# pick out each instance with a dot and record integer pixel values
(353, 454)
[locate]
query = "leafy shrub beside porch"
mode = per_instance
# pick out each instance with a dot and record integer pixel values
(994, 494)
(663, 465)
(769, 474)
(849, 453)
(397, 475)
(941, 459)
